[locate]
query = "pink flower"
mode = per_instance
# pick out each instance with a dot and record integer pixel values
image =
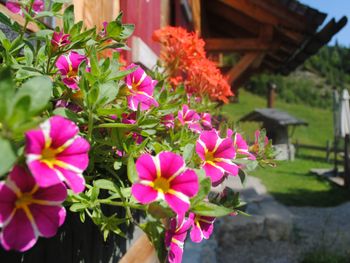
(38, 6)
(59, 39)
(255, 148)
(217, 155)
(28, 211)
(68, 65)
(175, 237)
(14, 6)
(168, 121)
(129, 118)
(202, 227)
(187, 116)
(56, 153)
(165, 177)
(206, 120)
(190, 118)
(241, 145)
(140, 89)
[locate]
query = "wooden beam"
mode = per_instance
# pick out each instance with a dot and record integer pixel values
(262, 15)
(233, 16)
(238, 44)
(19, 19)
(243, 65)
(196, 14)
(252, 10)
(290, 18)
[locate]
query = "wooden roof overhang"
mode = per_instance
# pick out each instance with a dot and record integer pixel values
(273, 115)
(273, 36)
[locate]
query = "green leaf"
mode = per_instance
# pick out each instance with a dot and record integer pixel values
(116, 125)
(39, 89)
(7, 156)
(56, 7)
(204, 189)
(108, 92)
(209, 209)
(19, 112)
(78, 207)
(106, 185)
(127, 31)
(188, 152)
(64, 112)
(7, 90)
(132, 173)
(242, 175)
(68, 18)
(114, 29)
(7, 21)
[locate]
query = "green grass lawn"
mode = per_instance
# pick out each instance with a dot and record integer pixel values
(290, 182)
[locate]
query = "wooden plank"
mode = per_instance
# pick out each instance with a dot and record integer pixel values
(243, 65)
(95, 12)
(196, 15)
(142, 251)
(256, 12)
(252, 10)
(239, 19)
(291, 19)
(19, 19)
(238, 44)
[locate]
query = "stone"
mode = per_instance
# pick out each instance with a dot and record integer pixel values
(237, 228)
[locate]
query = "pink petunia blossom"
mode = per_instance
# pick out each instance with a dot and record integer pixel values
(59, 39)
(240, 145)
(175, 237)
(130, 118)
(14, 6)
(68, 65)
(38, 6)
(190, 118)
(205, 120)
(140, 89)
(165, 177)
(217, 155)
(56, 153)
(168, 121)
(28, 211)
(202, 227)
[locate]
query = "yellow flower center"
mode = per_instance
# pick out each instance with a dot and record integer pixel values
(209, 156)
(135, 86)
(48, 154)
(24, 200)
(161, 184)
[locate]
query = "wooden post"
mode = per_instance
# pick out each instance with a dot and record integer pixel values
(346, 161)
(328, 150)
(94, 12)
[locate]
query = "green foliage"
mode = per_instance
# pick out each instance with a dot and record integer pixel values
(312, 83)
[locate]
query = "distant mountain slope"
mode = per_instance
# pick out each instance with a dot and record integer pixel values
(312, 82)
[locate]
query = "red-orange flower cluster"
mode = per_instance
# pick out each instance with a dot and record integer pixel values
(185, 59)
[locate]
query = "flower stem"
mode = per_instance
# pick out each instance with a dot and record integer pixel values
(90, 125)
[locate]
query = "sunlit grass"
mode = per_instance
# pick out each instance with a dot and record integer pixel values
(291, 182)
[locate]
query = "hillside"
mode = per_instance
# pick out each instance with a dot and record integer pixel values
(311, 83)
(320, 121)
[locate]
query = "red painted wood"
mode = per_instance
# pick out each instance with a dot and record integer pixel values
(145, 14)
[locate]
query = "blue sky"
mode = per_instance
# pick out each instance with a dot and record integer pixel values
(337, 9)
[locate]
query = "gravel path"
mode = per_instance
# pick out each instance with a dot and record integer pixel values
(313, 228)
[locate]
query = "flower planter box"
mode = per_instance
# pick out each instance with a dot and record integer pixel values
(75, 242)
